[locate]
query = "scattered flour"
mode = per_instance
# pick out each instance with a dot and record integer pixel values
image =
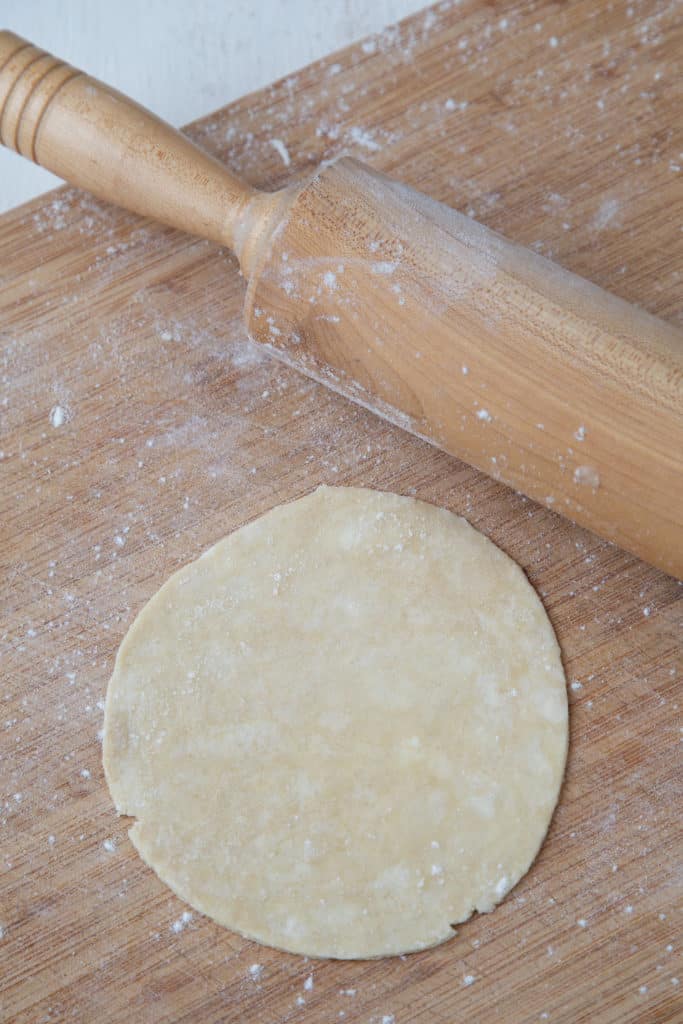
(363, 138)
(58, 415)
(182, 922)
(587, 476)
(609, 210)
(282, 151)
(256, 972)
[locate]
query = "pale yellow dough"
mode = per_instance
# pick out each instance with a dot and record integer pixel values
(342, 729)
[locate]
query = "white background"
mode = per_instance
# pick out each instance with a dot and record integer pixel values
(183, 58)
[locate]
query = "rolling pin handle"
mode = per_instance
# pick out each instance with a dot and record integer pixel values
(99, 140)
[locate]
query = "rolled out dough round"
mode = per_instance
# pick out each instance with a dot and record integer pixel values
(342, 729)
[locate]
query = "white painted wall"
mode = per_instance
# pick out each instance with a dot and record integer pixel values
(184, 58)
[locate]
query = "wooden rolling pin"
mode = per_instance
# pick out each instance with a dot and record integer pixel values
(489, 351)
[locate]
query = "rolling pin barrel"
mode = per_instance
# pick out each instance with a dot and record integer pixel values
(537, 377)
(534, 375)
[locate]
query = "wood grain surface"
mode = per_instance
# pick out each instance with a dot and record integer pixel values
(139, 426)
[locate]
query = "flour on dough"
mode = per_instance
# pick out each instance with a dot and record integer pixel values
(343, 729)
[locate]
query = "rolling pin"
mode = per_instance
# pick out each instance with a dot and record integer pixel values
(532, 374)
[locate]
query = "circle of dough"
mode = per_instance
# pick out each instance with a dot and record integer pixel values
(343, 728)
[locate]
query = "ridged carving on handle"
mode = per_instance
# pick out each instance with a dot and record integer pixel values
(29, 80)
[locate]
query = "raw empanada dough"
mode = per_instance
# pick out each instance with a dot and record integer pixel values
(343, 728)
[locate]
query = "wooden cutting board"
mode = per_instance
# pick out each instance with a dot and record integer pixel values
(139, 426)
